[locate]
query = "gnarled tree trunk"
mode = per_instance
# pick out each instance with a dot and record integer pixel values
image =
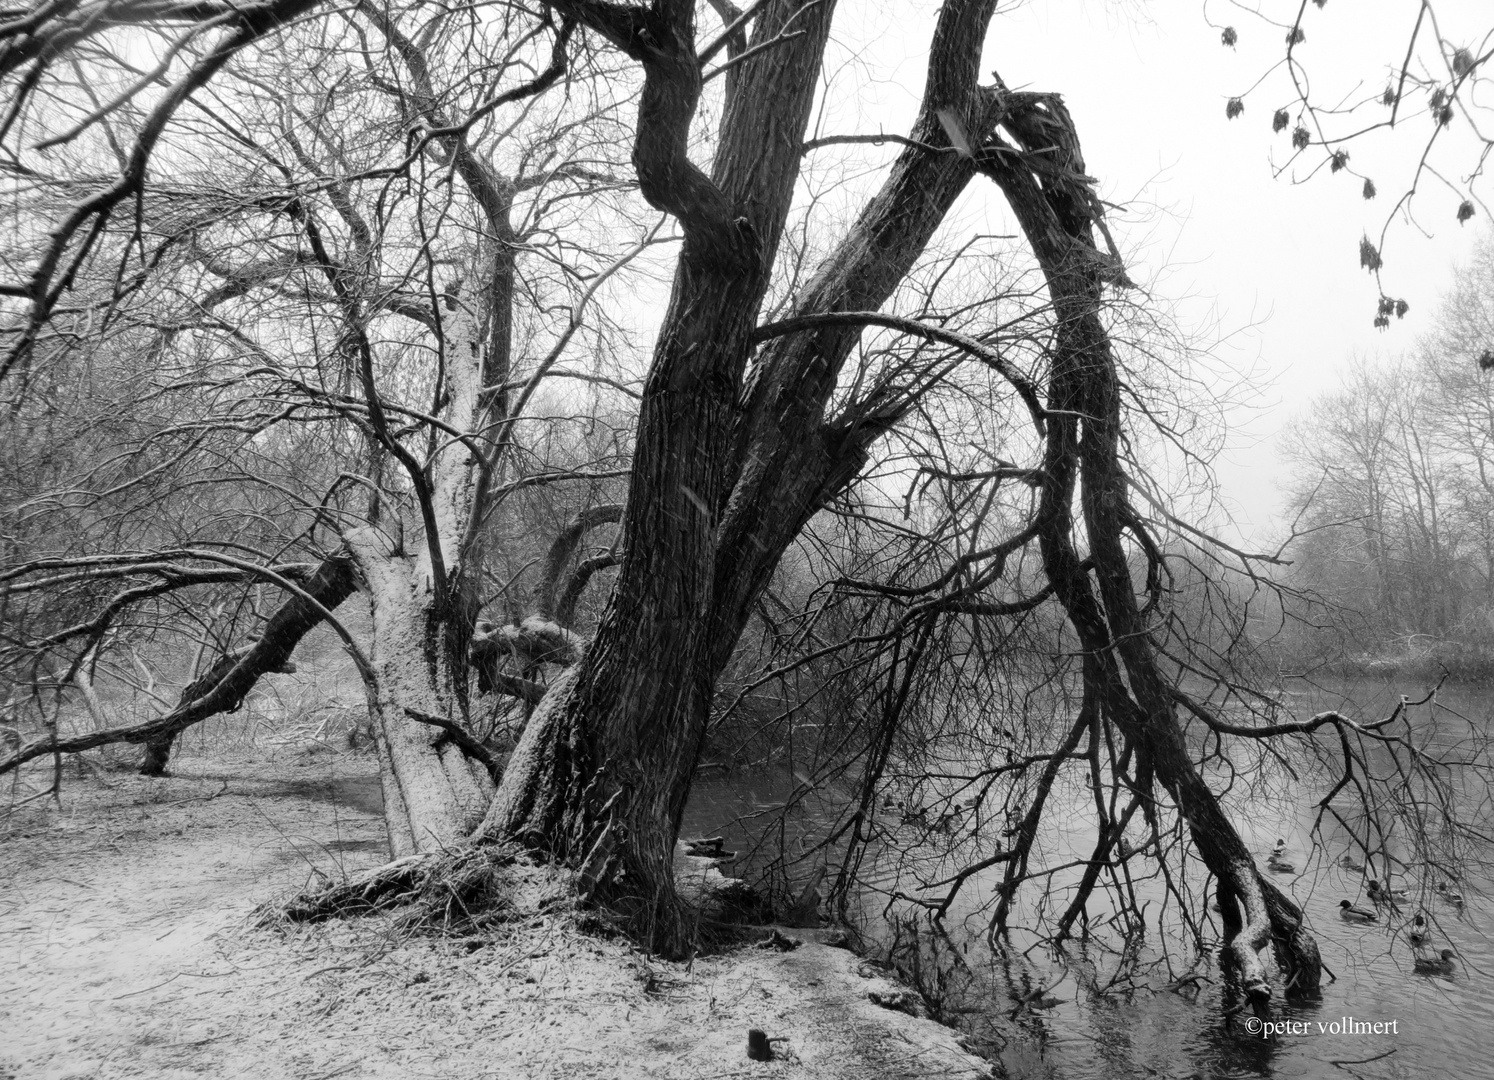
(1044, 180)
(603, 771)
(434, 793)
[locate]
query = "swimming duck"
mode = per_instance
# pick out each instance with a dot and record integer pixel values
(1276, 864)
(1382, 895)
(708, 847)
(912, 815)
(1418, 935)
(1348, 862)
(947, 821)
(1354, 914)
(1281, 846)
(1435, 965)
(1447, 894)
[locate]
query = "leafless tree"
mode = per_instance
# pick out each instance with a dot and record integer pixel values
(388, 242)
(1392, 480)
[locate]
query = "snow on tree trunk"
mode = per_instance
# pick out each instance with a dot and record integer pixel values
(424, 604)
(434, 796)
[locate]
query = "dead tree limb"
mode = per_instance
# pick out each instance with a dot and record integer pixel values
(334, 581)
(463, 740)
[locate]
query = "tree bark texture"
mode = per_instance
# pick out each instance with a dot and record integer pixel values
(622, 735)
(719, 492)
(790, 458)
(434, 795)
(1083, 452)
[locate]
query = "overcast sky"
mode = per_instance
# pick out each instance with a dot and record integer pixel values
(1279, 260)
(1274, 263)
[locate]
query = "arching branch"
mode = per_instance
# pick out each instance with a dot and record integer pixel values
(562, 548)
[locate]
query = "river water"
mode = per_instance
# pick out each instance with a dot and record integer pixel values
(1114, 1016)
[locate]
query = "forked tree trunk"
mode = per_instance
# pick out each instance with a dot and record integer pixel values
(620, 746)
(603, 770)
(1084, 450)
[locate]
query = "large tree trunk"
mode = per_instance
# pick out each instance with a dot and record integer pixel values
(1083, 448)
(424, 606)
(603, 769)
(434, 794)
(792, 460)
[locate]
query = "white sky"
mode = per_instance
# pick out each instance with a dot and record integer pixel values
(1148, 92)
(1276, 264)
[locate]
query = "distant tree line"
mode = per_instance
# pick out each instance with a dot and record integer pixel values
(1393, 491)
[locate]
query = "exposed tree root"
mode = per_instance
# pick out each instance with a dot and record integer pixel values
(441, 892)
(464, 889)
(1296, 950)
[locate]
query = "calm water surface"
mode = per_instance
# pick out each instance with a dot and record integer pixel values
(1444, 1025)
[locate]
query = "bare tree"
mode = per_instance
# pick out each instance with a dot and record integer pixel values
(391, 256)
(353, 321)
(1393, 479)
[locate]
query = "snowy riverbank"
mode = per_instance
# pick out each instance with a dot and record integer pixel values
(126, 951)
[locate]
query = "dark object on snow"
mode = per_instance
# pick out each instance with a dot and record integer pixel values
(708, 847)
(775, 940)
(757, 1045)
(903, 1001)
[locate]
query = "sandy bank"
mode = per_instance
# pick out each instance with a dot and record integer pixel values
(125, 951)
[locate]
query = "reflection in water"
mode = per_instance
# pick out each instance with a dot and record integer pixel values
(1089, 1011)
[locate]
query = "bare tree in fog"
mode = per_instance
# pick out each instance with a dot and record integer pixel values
(1395, 488)
(423, 218)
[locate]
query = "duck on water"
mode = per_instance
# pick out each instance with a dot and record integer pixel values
(1381, 894)
(1435, 965)
(1277, 862)
(1453, 898)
